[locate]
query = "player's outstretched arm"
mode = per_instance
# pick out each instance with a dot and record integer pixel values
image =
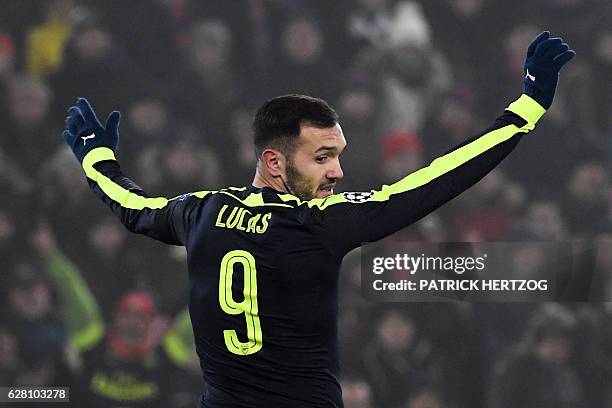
(366, 217)
(94, 146)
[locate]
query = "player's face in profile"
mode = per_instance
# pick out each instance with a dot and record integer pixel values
(314, 167)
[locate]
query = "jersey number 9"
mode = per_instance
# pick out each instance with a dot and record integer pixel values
(248, 306)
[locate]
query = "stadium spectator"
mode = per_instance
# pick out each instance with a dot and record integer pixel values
(61, 194)
(425, 397)
(240, 144)
(398, 358)
(588, 198)
(98, 62)
(542, 220)
(123, 365)
(10, 366)
(183, 161)
(542, 372)
(356, 393)
(490, 211)
(147, 119)
(402, 154)
(454, 119)
(154, 23)
(208, 85)
(7, 58)
(466, 17)
(13, 178)
(358, 106)
(416, 74)
(27, 125)
(303, 63)
(46, 42)
(39, 329)
(601, 66)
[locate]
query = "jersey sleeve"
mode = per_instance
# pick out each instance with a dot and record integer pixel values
(166, 220)
(345, 221)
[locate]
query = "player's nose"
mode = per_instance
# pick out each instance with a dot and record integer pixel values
(335, 173)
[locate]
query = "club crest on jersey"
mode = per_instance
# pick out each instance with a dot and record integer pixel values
(357, 196)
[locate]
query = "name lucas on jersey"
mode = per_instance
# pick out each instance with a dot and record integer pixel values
(242, 219)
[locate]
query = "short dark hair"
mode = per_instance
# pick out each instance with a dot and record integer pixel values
(277, 122)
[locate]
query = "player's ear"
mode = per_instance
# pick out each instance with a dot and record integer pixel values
(273, 162)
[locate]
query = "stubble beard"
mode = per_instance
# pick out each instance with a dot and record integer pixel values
(299, 184)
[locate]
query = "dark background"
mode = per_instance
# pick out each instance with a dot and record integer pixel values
(409, 79)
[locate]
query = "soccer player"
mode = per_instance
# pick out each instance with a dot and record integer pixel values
(263, 259)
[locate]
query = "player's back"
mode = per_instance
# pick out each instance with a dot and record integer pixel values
(263, 302)
(264, 265)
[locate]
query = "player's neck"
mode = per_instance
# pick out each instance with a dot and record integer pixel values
(263, 179)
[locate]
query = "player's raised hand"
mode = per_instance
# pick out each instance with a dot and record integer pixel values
(84, 132)
(545, 58)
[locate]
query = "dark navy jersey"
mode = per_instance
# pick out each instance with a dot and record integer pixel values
(263, 265)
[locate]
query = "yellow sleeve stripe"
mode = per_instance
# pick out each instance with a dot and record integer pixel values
(528, 109)
(447, 163)
(123, 197)
(525, 107)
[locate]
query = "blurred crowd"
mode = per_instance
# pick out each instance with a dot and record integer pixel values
(410, 79)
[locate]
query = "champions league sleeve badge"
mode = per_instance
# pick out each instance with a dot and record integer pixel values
(357, 196)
